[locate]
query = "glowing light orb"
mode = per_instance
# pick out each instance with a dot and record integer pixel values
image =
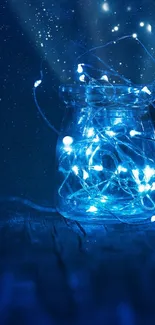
(149, 28)
(67, 140)
(134, 35)
(37, 83)
(105, 6)
(153, 219)
(141, 24)
(80, 68)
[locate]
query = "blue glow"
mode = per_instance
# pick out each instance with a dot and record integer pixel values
(109, 173)
(106, 154)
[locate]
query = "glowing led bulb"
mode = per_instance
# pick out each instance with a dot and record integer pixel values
(148, 173)
(110, 133)
(146, 90)
(89, 151)
(85, 174)
(82, 78)
(92, 209)
(105, 77)
(134, 35)
(149, 28)
(147, 187)
(141, 24)
(98, 167)
(153, 186)
(90, 132)
(135, 173)
(134, 132)
(96, 139)
(37, 83)
(153, 219)
(141, 188)
(105, 6)
(121, 169)
(104, 199)
(67, 141)
(75, 170)
(80, 68)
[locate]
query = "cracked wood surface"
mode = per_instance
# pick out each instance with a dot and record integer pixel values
(78, 270)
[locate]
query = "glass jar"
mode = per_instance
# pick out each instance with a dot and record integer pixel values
(106, 155)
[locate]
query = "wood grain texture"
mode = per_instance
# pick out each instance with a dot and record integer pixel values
(75, 273)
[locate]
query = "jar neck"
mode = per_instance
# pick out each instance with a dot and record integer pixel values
(117, 99)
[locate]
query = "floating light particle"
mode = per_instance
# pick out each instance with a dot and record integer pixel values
(134, 35)
(141, 24)
(129, 8)
(149, 28)
(116, 28)
(105, 6)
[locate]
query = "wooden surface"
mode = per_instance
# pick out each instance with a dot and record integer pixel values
(75, 274)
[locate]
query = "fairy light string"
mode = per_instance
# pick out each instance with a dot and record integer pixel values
(107, 157)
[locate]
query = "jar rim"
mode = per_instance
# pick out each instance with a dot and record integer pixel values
(137, 95)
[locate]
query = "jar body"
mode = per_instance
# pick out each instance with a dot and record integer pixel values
(106, 163)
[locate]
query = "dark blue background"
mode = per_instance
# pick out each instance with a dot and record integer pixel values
(27, 146)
